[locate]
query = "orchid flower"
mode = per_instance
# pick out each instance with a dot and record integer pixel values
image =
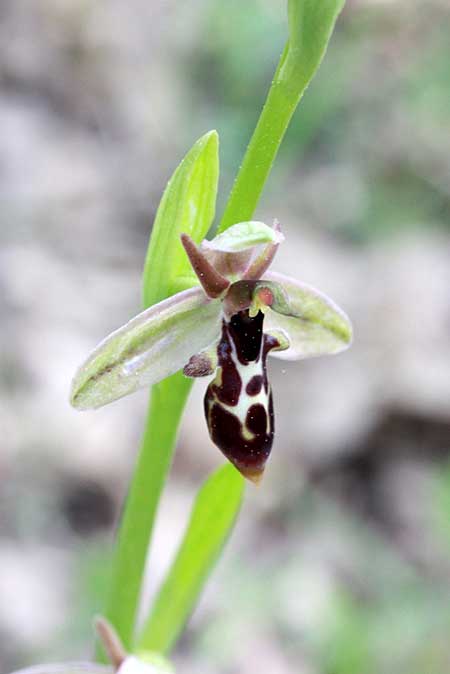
(226, 327)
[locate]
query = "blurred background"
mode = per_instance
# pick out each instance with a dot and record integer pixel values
(99, 102)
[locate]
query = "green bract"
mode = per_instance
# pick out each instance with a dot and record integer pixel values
(213, 514)
(188, 205)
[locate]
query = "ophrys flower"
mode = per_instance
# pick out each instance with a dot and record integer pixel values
(227, 327)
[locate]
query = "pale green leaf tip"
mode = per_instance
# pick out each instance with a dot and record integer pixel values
(209, 139)
(182, 208)
(207, 146)
(212, 134)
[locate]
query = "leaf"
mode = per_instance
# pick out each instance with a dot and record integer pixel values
(188, 205)
(152, 346)
(311, 24)
(313, 323)
(212, 517)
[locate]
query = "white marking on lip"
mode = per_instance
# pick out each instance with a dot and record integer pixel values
(245, 401)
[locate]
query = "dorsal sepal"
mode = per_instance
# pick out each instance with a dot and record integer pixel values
(214, 284)
(262, 263)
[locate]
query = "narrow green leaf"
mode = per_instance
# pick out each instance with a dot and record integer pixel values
(188, 205)
(310, 24)
(213, 515)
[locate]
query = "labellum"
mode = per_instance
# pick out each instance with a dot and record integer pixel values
(238, 402)
(227, 328)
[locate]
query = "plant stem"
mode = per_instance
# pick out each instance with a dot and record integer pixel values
(284, 95)
(166, 406)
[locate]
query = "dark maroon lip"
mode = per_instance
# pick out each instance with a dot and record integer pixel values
(247, 335)
(247, 444)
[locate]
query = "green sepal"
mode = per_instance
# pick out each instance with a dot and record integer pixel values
(244, 235)
(312, 322)
(188, 205)
(153, 345)
(213, 514)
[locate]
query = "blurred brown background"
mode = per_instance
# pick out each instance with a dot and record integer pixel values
(340, 563)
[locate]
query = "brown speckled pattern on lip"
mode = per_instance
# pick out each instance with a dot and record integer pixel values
(238, 402)
(255, 385)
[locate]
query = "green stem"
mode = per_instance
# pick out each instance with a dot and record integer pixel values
(287, 87)
(164, 414)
